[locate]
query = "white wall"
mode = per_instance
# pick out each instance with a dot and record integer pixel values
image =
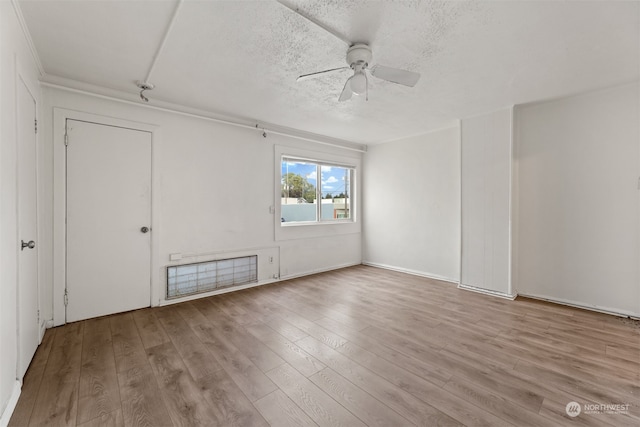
(578, 231)
(15, 57)
(486, 201)
(212, 196)
(412, 205)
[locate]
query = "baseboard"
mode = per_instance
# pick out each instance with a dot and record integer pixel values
(570, 303)
(216, 292)
(412, 272)
(11, 404)
(321, 270)
(487, 292)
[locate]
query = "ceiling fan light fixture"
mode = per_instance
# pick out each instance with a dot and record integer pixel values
(359, 83)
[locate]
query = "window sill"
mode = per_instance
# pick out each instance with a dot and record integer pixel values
(315, 223)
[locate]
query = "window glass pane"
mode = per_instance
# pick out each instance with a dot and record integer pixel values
(298, 191)
(314, 191)
(336, 192)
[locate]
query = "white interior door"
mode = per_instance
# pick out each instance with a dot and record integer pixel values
(108, 220)
(27, 230)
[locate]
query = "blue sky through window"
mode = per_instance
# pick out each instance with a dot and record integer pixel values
(333, 178)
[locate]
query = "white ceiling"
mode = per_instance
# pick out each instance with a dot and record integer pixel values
(241, 58)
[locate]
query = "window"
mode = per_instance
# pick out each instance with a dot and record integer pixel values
(313, 191)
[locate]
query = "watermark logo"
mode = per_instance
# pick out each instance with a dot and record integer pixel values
(606, 408)
(573, 409)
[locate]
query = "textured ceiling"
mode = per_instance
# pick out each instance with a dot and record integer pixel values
(241, 58)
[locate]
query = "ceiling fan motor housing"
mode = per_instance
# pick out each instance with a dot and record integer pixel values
(359, 54)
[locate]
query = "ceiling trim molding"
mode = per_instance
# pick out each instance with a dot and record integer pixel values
(73, 86)
(27, 36)
(453, 124)
(588, 92)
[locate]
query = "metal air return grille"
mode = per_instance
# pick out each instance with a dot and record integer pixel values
(207, 276)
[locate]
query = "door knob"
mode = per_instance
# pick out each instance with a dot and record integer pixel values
(144, 229)
(30, 244)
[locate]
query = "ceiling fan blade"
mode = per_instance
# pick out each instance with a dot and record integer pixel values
(318, 74)
(395, 75)
(346, 92)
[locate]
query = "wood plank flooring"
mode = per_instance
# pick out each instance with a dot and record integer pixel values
(359, 346)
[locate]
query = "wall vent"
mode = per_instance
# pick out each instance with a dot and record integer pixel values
(189, 279)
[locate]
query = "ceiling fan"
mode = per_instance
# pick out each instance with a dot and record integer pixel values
(359, 56)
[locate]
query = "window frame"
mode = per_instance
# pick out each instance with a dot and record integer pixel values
(319, 163)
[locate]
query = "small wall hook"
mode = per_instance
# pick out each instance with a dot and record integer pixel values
(144, 86)
(264, 132)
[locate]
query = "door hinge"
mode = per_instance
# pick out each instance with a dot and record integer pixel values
(36, 125)
(38, 317)
(66, 139)
(66, 298)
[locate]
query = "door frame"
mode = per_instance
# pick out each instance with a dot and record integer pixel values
(60, 116)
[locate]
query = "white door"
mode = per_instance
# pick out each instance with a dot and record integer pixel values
(27, 230)
(108, 220)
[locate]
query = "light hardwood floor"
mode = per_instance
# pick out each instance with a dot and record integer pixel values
(353, 347)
